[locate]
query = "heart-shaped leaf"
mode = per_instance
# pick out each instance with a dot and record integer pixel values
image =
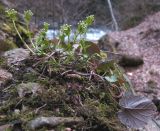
(92, 48)
(136, 110)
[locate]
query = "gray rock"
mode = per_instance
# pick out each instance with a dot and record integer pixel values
(52, 121)
(29, 88)
(5, 127)
(5, 76)
(16, 57)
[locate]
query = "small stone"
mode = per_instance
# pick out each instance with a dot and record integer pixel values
(17, 111)
(68, 129)
(5, 127)
(29, 88)
(5, 76)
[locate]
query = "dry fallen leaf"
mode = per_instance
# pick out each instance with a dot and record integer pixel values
(136, 110)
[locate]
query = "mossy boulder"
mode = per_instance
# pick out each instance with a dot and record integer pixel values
(59, 95)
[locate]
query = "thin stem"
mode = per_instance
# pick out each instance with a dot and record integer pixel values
(75, 37)
(112, 15)
(29, 35)
(68, 39)
(25, 44)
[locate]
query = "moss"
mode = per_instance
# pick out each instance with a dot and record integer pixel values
(101, 114)
(155, 7)
(6, 28)
(7, 45)
(14, 40)
(2, 61)
(27, 116)
(62, 97)
(30, 77)
(21, 29)
(97, 108)
(132, 21)
(2, 9)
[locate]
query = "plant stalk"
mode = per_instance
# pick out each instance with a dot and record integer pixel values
(25, 44)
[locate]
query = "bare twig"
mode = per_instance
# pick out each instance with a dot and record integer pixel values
(112, 14)
(36, 111)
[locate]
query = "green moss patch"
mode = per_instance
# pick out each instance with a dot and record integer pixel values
(63, 97)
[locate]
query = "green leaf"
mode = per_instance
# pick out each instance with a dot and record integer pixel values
(111, 79)
(92, 48)
(61, 37)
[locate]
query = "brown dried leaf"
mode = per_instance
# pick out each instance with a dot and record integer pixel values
(136, 110)
(93, 49)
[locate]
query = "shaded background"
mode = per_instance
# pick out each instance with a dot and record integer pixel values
(56, 12)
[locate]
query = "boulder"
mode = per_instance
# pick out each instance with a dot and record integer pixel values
(141, 43)
(16, 62)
